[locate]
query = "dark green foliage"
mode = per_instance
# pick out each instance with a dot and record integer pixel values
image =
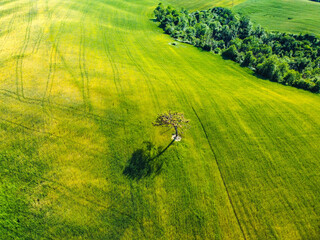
(172, 119)
(281, 57)
(245, 28)
(231, 53)
(268, 68)
(249, 60)
(291, 77)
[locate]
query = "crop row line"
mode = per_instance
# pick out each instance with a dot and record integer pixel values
(220, 173)
(82, 62)
(21, 54)
(106, 48)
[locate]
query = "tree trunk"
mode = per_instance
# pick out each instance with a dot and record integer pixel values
(176, 128)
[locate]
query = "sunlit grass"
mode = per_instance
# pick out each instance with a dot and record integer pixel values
(81, 83)
(295, 16)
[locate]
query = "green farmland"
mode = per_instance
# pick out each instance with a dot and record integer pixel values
(81, 82)
(295, 16)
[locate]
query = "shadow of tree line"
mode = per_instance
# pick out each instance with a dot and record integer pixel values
(146, 161)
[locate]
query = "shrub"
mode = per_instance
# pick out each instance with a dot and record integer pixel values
(231, 53)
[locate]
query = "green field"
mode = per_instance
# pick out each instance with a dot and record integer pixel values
(81, 82)
(295, 16)
(202, 4)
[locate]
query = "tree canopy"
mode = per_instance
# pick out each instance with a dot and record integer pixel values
(281, 57)
(172, 119)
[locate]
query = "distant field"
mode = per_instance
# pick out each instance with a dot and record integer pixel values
(282, 15)
(81, 82)
(202, 4)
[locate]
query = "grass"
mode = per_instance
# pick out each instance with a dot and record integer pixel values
(203, 4)
(295, 16)
(81, 82)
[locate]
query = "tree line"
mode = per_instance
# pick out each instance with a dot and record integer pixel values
(286, 58)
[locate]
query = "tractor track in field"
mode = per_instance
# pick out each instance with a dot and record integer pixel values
(73, 110)
(52, 70)
(147, 79)
(266, 129)
(21, 53)
(143, 46)
(41, 32)
(53, 57)
(220, 173)
(144, 74)
(85, 148)
(82, 62)
(275, 140)
(52, 64)
(35, 11)
(171, 75)
(154, 97)
(84, 71)
(38, 41)
(8, 31)
(115, 70)
(182, 94)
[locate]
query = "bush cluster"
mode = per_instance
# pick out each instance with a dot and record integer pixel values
(280, 57)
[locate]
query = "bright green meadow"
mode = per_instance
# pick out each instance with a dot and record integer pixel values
(295, 16)
(81, 82)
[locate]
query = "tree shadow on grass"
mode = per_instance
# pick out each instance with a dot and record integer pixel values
(145, 162)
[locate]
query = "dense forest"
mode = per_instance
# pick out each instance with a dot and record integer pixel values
(280, 57)
(316, 0)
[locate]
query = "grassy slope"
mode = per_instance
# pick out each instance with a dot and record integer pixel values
(282, 15)
(202, 4)
(81, 82)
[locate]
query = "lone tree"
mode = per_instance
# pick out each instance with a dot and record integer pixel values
(172, 119)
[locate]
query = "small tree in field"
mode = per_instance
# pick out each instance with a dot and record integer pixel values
(172, 119)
